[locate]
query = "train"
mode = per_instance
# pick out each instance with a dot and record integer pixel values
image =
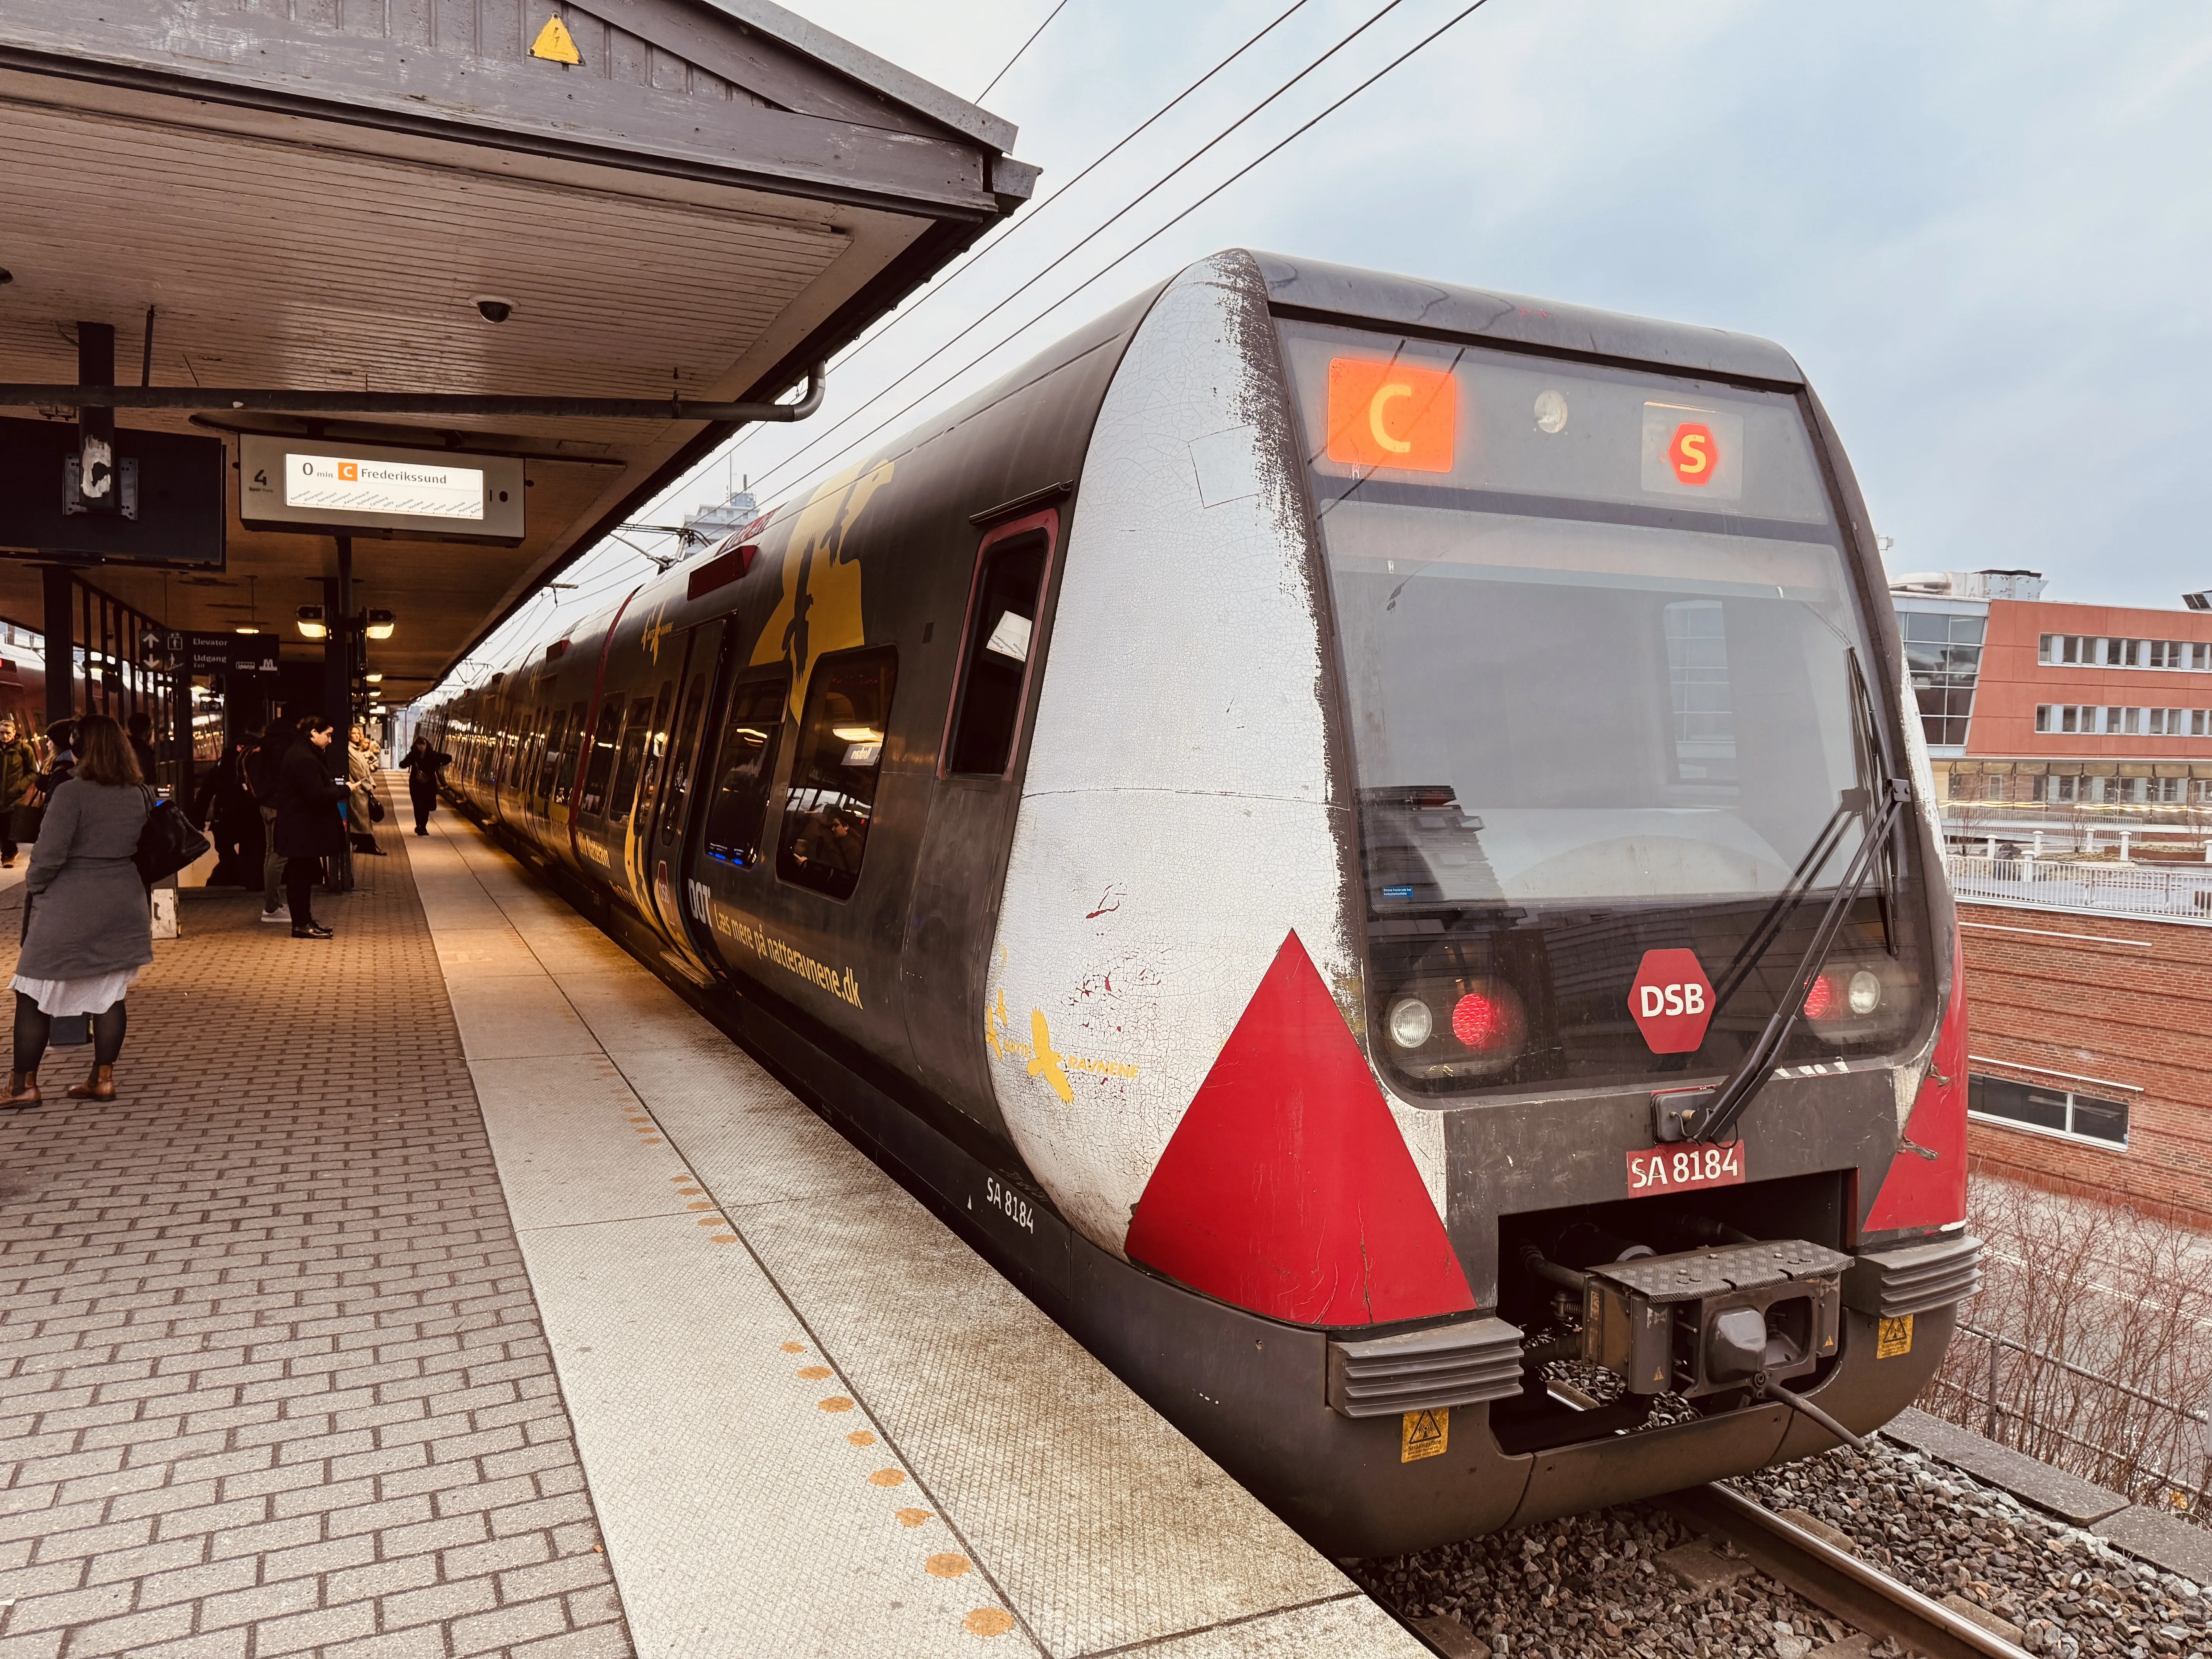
(1367, 842)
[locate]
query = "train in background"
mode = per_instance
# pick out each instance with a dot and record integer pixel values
(1367, 842)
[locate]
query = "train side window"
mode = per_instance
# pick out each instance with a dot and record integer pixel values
(678, 791)
(643, 719)
(745, 770)
(549, 758)
(986, 710)
(656, 761)
(564, 780)
(593, 800)
(833, 782)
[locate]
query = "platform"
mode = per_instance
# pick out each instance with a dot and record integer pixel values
(453, 1287)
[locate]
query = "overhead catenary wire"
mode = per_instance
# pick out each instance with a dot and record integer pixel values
(1092, 235)
(1452, 22)
(1016, 227)
(1023, 47)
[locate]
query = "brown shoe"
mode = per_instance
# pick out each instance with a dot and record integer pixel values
(22, 1091)
(101, 1085)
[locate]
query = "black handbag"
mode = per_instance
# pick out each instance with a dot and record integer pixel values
(168, 842)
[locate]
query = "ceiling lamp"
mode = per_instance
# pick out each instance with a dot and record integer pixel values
(311, 623)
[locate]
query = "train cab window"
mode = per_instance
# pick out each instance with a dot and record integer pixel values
(644, 719)
(564, 780)
(1001, 626)
(832, 797)
(677, 792)
(745, 770)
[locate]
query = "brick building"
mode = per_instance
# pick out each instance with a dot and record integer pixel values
(2070, 712)
(2091, 1046)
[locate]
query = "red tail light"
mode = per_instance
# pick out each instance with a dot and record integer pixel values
(1822, 999)
(1488, 1020)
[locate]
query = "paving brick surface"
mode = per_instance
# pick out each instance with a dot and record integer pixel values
(272, 1378)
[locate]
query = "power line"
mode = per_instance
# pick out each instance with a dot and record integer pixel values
(1025, 46)
(1092, 235)
(1128, 253)
(941, 283)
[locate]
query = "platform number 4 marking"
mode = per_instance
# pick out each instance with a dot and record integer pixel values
(1893, 1337)
(1423, 1434)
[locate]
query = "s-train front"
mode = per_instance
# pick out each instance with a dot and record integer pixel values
(1475, 893)
(1440, 974)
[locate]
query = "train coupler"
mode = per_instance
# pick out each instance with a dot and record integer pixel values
(1709, 1321)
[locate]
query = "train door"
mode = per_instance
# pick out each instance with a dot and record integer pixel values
(728, 863)
(943, 960)
(702, 659)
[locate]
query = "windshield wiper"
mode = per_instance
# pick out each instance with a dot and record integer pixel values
(1677, 1115)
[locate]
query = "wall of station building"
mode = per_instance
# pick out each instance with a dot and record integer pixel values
(2083, 1028)
(2036, 703)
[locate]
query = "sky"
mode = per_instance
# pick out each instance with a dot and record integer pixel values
(1983, 230)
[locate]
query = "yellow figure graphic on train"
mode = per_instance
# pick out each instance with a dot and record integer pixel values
(820, 610)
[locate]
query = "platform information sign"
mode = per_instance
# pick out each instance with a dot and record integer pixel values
(294, 483)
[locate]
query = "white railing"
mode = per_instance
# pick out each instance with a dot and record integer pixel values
(2140, 889)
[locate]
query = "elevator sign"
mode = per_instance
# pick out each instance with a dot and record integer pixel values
(1671, 1000)
(342, 488)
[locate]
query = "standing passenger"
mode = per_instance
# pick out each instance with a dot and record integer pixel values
(141, 744)
(88, 930)
(309, 828)
(265, 772)
(363, 808)
(19, 770)
(423, 765)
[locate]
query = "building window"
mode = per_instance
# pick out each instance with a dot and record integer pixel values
(2167, 723)
(2169, 790)
(2067, 648)
(2046, 1111)
(1943, 654)
(2065, 717)
(2062, 789)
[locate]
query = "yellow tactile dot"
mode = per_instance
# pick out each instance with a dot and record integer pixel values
(794, 1347)
(681, 1181)
(711, 1221)
(946, 1566)
(685, 1191)
(814, 1373)
(703, 1204)
(836, 1402)
(912, 1517)
(988, 1621)
(888, 1477)
(650, 1140)
(721, 1238)
(861, 1437)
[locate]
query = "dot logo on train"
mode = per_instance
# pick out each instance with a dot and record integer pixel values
(1290, 766)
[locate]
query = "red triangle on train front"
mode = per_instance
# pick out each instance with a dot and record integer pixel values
(1288, 1188)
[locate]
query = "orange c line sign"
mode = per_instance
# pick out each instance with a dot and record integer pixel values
(1391, 415)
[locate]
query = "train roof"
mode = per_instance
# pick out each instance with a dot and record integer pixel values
(1408, 302)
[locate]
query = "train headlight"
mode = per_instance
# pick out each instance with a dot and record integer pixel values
(1865, 994)
(1411, 1022)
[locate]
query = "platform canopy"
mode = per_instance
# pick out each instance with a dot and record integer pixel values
(709, 200)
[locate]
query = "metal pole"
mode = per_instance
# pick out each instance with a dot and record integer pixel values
(61, 666)
(1989, 1420)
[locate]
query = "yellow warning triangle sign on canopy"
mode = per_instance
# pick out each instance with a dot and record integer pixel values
(554, 42)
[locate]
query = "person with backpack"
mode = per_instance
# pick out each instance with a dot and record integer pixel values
(88, 930)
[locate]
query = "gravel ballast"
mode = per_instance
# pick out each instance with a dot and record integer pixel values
(1593, 1585)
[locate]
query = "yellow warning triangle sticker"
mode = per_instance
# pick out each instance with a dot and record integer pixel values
(555, 43)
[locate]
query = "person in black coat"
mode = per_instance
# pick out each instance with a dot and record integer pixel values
(310, 784)
(422, 764)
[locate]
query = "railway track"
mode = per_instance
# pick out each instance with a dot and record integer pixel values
(1837, 1581)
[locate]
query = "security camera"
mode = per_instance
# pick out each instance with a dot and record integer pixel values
(495, 310)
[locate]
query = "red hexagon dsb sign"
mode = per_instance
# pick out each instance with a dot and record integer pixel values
(1671, 1001)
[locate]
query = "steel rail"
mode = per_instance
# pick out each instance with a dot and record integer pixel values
(1837, 1581)
(338, 401)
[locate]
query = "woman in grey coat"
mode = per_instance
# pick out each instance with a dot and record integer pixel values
(89, 930)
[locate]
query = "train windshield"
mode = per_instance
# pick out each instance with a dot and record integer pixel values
(1606, 685)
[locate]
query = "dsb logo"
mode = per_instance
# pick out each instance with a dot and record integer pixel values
(1671, 1001)
(1656, 999)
